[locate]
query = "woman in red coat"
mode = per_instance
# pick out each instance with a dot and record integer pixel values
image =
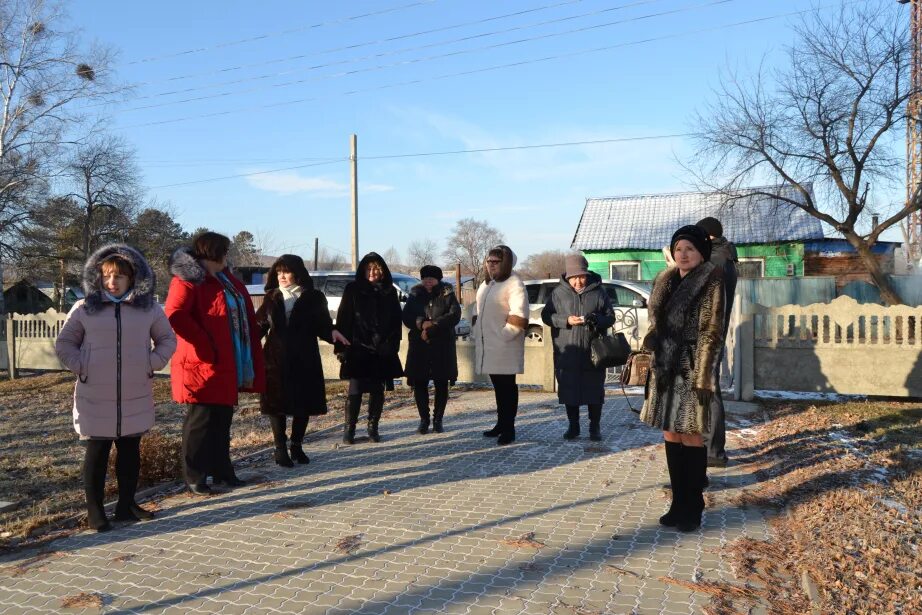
(218, 354)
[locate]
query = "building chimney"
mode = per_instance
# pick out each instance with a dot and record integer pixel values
(875, 220)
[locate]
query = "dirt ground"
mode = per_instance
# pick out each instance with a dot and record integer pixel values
(41, 456)
(845, 481)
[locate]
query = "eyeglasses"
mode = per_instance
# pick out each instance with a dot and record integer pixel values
(491, 261)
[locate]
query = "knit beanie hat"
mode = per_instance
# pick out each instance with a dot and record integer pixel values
(698, 238)
(576, 265)
(711, 226)
(430, 271)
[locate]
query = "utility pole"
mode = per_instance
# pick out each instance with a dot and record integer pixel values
(353, 157)
(316, 251)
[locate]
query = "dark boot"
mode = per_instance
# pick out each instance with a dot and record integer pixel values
(375, 408)
(441, 401)
(127, 470)
(595, 418)
(94, 483)
(298, 429)
(494, 432)
(694, 469)
(573, 430)
(353, 405)
(674, 459)
(277, 421)
(421, 395)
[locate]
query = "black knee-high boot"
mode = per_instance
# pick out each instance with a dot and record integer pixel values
(573, 417)
(595, 419)
(421, 395)
(353, 405)
(298, 429)
(441, 401)
(674, 460)
(694, 467)
(375, 408)
(127, 470)
(277, 421)
(95, 461)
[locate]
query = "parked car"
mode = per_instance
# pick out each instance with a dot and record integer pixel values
(333, 283)
(628, 298)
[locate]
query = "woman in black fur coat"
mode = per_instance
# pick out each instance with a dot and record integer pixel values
(431, 314)
(292, 317)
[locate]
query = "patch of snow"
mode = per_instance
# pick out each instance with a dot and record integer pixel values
(807, 396)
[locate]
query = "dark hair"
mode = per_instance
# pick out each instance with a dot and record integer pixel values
(121, 264)
(711, 226)
(210, 246)
(293, 264)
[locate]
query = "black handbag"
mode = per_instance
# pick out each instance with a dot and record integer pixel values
(609, 350)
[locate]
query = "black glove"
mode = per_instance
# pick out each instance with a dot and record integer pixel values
(591, 320)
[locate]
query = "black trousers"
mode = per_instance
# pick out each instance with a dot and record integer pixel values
(298, 429)
(127, 470)
(206, 443)
(421, 395)
(507, 400)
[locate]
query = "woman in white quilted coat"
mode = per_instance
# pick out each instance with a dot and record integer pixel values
(500, 320)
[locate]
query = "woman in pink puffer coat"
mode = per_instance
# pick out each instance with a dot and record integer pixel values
(106, 341)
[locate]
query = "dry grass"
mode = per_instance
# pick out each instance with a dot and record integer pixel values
(349, 543)
(41, 456)
(83, 600)
(525, 541)
(848, 478)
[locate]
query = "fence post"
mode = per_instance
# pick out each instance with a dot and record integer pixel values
(11, 346)
(745, 362)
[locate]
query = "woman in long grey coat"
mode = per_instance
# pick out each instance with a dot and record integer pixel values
(578, 310)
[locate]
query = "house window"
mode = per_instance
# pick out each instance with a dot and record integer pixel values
(624, 270)
(751, 267)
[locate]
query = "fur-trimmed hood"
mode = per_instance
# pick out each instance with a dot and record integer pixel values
(506, 267)
(141, 294)
(186, 267)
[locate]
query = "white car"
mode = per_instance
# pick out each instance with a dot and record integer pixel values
(628, 299)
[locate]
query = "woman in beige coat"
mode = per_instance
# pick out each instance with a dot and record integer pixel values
(106, 342)
(501, 317)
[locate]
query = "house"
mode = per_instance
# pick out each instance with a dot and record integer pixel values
(624, 237)
(23, 297)
(256, 273)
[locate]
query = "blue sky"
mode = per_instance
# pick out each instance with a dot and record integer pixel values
(533, 196)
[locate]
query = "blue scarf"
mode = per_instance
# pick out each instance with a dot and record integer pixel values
(240, 332)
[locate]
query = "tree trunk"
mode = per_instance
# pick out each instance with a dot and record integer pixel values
(887, 292)
(2, 300)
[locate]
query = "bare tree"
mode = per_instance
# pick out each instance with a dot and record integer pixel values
(330, 260)
(44, 76)
(831, 118)
(547, 264)
(422, 252)
(469, 243)
(105, 183)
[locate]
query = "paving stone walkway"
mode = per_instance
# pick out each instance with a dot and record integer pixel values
(441, 523)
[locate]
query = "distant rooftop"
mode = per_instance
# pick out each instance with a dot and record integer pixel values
(647, 221)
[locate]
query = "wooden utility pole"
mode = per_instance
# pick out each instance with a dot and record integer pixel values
(316, 251)
(355, 204)
(458, 282)
(913, 228)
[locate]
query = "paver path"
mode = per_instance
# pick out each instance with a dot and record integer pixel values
(415, 524)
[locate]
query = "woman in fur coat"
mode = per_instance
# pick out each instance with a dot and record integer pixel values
(106, 341)
(292, 317)
(431, 314)
(218, 356)
(686, 311)
(501, 317)
(369, 318)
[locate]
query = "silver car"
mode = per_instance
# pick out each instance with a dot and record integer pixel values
(628, 298)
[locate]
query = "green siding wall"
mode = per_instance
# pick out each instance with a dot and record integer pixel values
(776, 258)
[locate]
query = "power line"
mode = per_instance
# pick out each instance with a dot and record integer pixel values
(365, 44)
(486, 69)
(215, 179)
(268, 35)
(441, 153)
(381, 54)
(425, 58)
